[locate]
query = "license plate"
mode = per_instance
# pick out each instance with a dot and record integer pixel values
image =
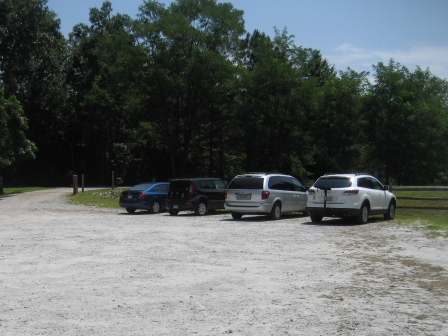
(130, 196)
(243, 196)
(175, 206)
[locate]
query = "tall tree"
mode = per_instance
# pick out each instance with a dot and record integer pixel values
(407, 123)
(105, 79)
(14, 146)
(337, 123)
(190, 45)
(32, 68)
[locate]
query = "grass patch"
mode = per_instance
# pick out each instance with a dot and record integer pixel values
(106, 198)
(9, 191)
(429, 207)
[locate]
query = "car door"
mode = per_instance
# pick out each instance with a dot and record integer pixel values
(377, 196)
(214, 191)
(162, 193)
(295, 195)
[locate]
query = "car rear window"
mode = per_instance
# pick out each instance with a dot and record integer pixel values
(333, 182)
(179, 185)
(140, 187)
(246, 183)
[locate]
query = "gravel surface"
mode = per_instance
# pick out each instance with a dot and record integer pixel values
(67, 269)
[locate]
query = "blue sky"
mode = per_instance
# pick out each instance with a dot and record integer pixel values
(349, 33)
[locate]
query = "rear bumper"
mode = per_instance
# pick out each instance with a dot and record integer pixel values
(333, 212)
(260, 209)
(134, 205)
(180, 205)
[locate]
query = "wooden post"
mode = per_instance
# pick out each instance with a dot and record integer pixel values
(75, 184)
(82, 182)
(113, 179)
(1, 185)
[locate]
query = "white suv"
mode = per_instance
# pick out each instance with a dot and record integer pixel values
(350, 195)
(265, 193)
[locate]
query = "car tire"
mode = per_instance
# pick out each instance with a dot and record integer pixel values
(173, 212)
(276, 211)
(363, 216)
(130, 210)
(236, 215)
(316, 218)
(201, 208)
(155, 207)
(390, 214)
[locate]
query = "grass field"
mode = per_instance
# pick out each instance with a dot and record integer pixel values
(429, 207)
(8, 191)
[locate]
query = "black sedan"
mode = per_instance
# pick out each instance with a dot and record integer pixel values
(147, 196)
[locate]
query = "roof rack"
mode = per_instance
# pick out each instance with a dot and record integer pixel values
(259, 173)
(356, 174)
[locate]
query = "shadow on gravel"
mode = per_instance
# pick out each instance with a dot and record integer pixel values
(141, 213)
(9, 195)
(165, 213)
(261, 218)
(343, 222)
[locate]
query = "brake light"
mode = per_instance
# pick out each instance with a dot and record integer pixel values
(142, 195)
(191, 189)
(350, 192)
(265, 194)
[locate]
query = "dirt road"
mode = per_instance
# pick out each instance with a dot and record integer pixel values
(72, 270)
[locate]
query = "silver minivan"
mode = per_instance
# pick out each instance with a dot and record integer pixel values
(271, 194)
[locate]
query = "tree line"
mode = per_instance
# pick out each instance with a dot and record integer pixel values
(184, 90)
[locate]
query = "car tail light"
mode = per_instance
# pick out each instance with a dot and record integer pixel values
(265, 194)
(142, 195)
(350, 192)
(191, 191)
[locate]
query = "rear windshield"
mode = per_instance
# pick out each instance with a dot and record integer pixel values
(179, 185)
(333, 182)
(246, 183)
(140, 187)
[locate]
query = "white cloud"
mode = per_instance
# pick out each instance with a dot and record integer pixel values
(433, 57)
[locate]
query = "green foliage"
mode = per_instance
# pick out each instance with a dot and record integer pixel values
(407, 117)
(189, 45)
(14, 146)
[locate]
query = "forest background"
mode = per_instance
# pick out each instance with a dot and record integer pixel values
(184, 90)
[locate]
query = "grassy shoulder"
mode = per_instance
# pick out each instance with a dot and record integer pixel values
(428, 206)
(9, 191)
(106, 198)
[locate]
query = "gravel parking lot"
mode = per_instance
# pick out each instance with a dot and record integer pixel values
(67, 269)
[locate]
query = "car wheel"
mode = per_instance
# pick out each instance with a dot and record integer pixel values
(173, 212)
(363, 216)
(316, 218)
(276, 211)
(155, 207)
(390, 214)
(236, 215)
(201, 209)
(130, 210)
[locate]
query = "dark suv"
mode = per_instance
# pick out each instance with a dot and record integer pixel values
(197, 194)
